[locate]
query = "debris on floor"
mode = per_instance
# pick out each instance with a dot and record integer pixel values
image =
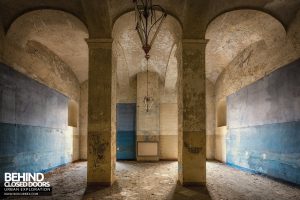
(158, 181)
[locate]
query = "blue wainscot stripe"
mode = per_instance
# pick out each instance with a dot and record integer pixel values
(26, 148)
(272, 149)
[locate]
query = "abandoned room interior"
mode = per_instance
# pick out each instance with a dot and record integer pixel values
(142, 99)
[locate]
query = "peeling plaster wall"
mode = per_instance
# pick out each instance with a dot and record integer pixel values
(168, 137)
(83, 113)
(126, 86)
(59, 31)
(148, 122)
(232, 32)
(40, 63)
(294, 33)
(220, 143)
(264, 123)
(34, 132)
(252, 64)
(271, 49)
(127, 94)
(258, 60)
(161, 123)
(168, 116)
(244, 46)
(76, 143)
(210, 120)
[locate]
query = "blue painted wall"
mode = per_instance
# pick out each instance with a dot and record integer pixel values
(126, 131)
(33, 125)
(264, 125)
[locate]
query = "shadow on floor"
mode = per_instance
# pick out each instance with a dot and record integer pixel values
(190, 192)
(179, 193)
(100, 192)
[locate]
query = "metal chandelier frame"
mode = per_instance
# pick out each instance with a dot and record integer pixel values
(147, 17)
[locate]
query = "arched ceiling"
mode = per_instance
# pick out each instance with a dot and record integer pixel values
(294, 33)
(232, 32)
(12, 9)
(194, 15)
(131, 57)
(174, 7)
(59, 31)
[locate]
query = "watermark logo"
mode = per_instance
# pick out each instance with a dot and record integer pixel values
(25, 184)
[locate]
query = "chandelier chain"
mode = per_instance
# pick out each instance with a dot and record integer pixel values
(147, 27)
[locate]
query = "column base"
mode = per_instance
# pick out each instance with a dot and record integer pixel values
(194, 191)
(188, 184)
(99, 184)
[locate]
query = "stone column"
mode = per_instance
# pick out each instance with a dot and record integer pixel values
(192, 123)
(101, 114)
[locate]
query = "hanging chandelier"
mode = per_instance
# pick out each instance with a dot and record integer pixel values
(149, 19)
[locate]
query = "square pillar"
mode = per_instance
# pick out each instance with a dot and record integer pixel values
(101, 114)
(192, 114)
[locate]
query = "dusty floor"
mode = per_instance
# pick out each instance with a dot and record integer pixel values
(144, 181)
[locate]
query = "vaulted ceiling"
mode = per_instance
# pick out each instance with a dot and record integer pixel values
(229, 32)
(232, 32)
(100, 15)
(131, 57)
(65, 38)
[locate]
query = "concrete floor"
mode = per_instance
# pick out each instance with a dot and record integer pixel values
(158, 181)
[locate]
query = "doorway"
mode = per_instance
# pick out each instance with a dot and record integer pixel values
(126, 131)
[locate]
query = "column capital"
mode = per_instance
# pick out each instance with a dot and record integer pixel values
(95, 43)
(194, 43)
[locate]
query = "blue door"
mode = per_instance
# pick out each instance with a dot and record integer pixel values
(126, 126)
